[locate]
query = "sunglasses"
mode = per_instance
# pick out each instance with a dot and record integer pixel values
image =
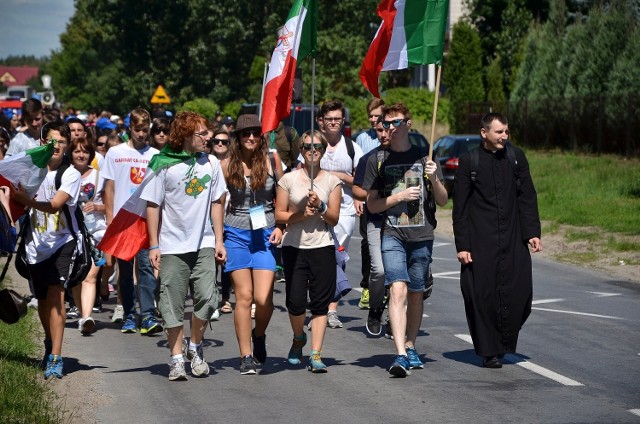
(395, 122)
(249, 133)
(222, 141)
(309, 146)
(164, 131)
(100, 144)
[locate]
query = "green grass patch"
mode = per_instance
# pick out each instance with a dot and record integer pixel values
(582, 190)
(578, 258)
(24, 395)
(622, 246)
(572, 236)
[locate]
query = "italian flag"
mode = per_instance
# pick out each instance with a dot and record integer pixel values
(412, 33)
(296, 40)
(127, 233)
(28, 169)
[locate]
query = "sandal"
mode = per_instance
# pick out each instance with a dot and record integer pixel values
(226, 308)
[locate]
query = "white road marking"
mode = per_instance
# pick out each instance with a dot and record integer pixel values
(444, 259)
(635, 411)
(576, 313)
(452, 275)
(530, 366)
(601, 294)
(540, 301)
(437, 244)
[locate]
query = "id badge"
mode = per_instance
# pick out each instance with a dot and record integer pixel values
(258, 217)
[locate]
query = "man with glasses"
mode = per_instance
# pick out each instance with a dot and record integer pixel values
(123, 170)
(32, 118)
(341, 159)
(368, 141)
(404, 186)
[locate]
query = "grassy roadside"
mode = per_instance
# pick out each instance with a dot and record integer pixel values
(24, 395)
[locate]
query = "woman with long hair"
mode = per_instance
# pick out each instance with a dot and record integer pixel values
(251, 236)
(308, 246)
(81, 152)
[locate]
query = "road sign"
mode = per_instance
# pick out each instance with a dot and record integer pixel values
(160, 96)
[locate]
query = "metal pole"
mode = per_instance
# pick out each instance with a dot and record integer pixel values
(264, 81)
(435, 112)
(313, 94)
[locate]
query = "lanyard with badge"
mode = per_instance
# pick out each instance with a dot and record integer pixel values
(256, 212)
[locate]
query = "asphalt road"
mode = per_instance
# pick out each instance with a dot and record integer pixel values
(578, 361)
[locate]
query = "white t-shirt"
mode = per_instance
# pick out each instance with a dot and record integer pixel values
(49, 232)
(126, 166)
(21, 142)
(91, 190)
(185, 192)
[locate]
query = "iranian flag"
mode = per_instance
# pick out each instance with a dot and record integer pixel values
(127, 233)
(296, 40)
(411, 33)
(28, 169)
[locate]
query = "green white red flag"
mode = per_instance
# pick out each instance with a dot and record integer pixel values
(127, 233)
(28, 169)
(296, 40)
(412, 33)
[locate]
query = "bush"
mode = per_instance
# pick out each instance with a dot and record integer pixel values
(204, 107)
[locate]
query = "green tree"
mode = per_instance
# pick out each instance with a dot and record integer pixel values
(462, 71)
(204, 107)
(495, 86)
(516, 20)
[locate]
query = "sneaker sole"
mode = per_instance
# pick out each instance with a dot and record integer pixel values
(179, 378)
(150, 331)
(88, 327)
(317, 370)
(335, 326)
(129, 331)
(248, 372)
(196, 373)
(416, 367)
(398, 371)
(371, 332)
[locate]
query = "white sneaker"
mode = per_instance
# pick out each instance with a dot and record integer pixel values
(118, 314)
(177, 372)
(86, 325)
(199, 368)
(216, 315)
(33, 303)
(332, 320)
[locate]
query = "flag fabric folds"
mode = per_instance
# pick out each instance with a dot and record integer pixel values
(127, 233)
(412, 33)
(296, 40)
(28, 169)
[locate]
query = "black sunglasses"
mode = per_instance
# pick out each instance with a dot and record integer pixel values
(395, 122)
(222, 141)
(164, 131)
(249, 133)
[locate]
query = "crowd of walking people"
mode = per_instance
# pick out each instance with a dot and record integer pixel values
(227, 210)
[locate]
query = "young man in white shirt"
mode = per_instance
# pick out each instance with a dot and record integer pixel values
(189, 194)
(123, 171)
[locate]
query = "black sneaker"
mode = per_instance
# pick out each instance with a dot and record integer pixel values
(247, 366)
(280, 275)
(374, 326)
(259, 348)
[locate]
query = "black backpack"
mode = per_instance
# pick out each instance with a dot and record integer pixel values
(474, 156)
(80, 261)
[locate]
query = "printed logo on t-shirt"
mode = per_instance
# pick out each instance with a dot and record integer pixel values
(197, 185)
(87, 191)
(137, 174)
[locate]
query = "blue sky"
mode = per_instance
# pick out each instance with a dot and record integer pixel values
(33, 27)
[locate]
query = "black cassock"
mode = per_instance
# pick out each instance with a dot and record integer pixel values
(494, 220)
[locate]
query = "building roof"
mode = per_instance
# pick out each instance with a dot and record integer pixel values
(17, 75)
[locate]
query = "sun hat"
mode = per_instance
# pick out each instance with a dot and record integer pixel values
(248, 121)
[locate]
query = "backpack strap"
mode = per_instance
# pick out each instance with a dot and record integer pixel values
(350, 150)
(474, 155)
(272, 159)
(67, 214)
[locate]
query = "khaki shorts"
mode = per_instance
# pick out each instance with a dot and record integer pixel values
(178, 273)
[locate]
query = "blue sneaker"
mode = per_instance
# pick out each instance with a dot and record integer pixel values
(400, 366)
(414, 359)
(54, 367)
(48, 345)
(295, 353)
(129, 325)
(315, 363)
(150, 326)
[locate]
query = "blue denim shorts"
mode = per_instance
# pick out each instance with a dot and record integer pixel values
(249, 249)
(406, 261)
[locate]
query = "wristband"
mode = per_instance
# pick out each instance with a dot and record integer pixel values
(154, 247)
(323, 208)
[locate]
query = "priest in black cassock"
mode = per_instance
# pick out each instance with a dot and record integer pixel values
(495, 223)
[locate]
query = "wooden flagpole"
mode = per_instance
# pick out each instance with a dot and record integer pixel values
(435, 112)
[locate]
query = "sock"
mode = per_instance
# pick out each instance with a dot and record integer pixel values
(177, 358)
(193, 346)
